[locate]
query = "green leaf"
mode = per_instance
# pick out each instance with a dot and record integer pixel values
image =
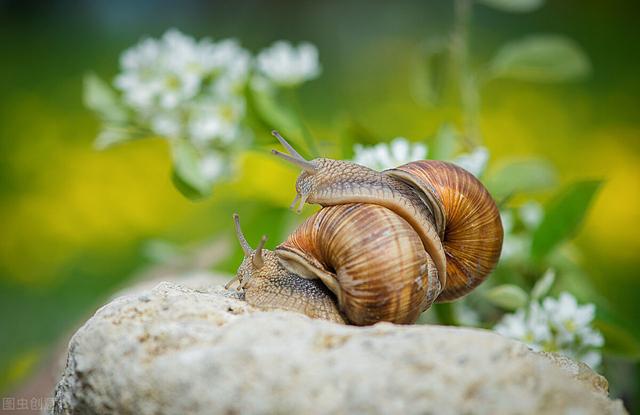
(99, 97)
(619, 341)
(521, 176)
(273, 112)
(188, 176)
(507, 296)
(543, 285)
(513, 6)
(541, 58)
(429, 71)
(563, 216)
(444, 143)
(445, 313)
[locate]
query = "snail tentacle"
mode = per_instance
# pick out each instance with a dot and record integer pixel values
(257, 259)
(246, 248)
(286, 145)
(303, 164)
(266, 284)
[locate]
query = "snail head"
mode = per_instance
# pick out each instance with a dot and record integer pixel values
(256, 262)
(322, 179)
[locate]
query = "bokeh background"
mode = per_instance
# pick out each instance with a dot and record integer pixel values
(75, 223)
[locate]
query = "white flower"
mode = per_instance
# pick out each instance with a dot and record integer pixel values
(230, 56)
(287, 65)
(385, 156)
(530, 327)
(512, 325)
(216, 120)
(167, 124)
(183, 88)
(591, 337)
(474, 162)
(556, 326)
(160, 72)
(186, 62)
(567, 317)
(212, 166)
(232, 66)
(168, 72)
(141, 77)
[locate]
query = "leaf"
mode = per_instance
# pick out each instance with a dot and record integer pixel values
(429, 71)
(112, 135)
(521, 176)
(513, 6)
(188, 176)
(99, 97)
(541, 58)
(507, 296)
(543, 285)
(563, 216)
(619, 341)
(444, 143)
(271, 111)
(279, 116)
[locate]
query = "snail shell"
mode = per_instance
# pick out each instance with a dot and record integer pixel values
(336, 182)
(385, 245)
(466, 215)
(369, 257)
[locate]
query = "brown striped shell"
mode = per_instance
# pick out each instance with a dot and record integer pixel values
(338, 182)
(267, 285)
(369, 257)
(465, 215)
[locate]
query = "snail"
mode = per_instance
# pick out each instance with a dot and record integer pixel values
(384, 246)
(268, 285)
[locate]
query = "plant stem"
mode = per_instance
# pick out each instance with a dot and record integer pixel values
(446, 314)
(467, 83)
(306, 134)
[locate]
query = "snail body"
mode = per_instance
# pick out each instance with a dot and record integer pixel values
(384, 246)
(266, 284)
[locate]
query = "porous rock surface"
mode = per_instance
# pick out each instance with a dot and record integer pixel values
(179, 350)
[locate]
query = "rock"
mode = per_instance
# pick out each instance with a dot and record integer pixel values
(179, 350)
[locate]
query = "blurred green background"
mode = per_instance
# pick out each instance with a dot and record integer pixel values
(74, 221)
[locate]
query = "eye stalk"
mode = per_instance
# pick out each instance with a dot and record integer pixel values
(295, 158)
(256, 256)
(286, 145)
(258, 260)
(243, 241)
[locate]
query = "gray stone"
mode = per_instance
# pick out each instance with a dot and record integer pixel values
(179, 350)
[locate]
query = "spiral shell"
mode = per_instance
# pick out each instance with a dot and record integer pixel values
(369, 257)
(465, 215)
